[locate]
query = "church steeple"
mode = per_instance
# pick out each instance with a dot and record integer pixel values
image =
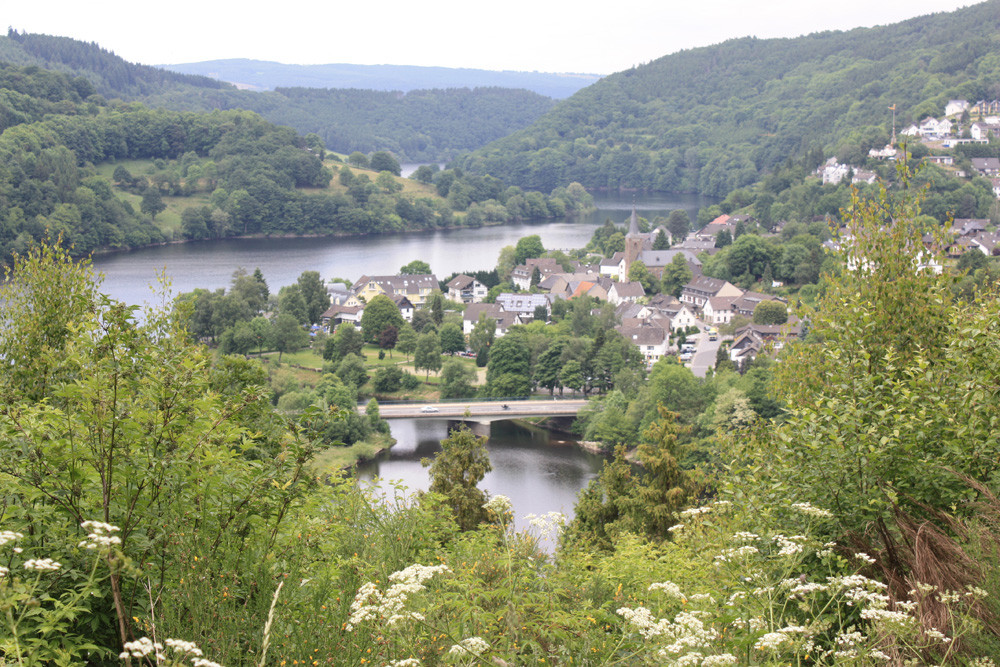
(633, 225)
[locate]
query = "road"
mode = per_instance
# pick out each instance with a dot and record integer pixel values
(704, 356)
(559, 407)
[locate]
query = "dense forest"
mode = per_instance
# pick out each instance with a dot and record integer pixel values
(718, 118)
(419, 126)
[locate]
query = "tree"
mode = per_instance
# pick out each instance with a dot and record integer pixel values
(549, 366)
(457, 379)
(452, 339)
(675, 276)
(291, 302)
(287, 335)
(387, 380)
(387, 339)
(880, 421)
(344, 341)
(117, 420)
(358, 159)
(661, 242)
(571, 375)
(679, 223)
(425, 173)
(406, 341)
(416, 267)
(379, 313)
(770, 312)
(384, 161)
(314, 293)
(723, 238)
(508, 374)
(528, 247)
(483, 333)
(437, 308)
(351, 370)
(152, 202)
(664, 488)
(455, 473)
(428, 353)
(638, 273)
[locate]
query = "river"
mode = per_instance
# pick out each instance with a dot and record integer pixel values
(210, 264)
(537, 472)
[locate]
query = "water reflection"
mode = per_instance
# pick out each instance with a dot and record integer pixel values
(538, 473)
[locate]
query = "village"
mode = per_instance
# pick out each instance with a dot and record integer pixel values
(685, 326)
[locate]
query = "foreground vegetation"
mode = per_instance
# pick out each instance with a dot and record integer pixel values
(149, 493)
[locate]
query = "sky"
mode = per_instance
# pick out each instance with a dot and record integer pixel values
(525, 35)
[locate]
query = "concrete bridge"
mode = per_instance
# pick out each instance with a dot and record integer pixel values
(483, 411)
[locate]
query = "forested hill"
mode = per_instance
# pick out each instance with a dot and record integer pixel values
(110, 75)
(713, 119)
(419, 126)
(265, 75)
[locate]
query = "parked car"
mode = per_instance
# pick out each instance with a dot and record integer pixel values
(429, 408)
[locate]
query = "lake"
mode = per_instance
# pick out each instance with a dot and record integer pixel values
(210, 264)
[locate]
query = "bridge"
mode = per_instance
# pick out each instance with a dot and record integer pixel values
(482, 411)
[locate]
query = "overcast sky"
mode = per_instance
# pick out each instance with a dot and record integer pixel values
(543, 35)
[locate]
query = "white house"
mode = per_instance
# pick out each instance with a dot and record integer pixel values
(466, 289)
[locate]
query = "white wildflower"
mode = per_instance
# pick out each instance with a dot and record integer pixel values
(879, 655)
(694, 511)
(719, 660)
(702, 597)
(9, 536)
(934, 633)
(499, 506)
(865, 558)
(100, 535)
(182, 646)
(408, 662)
(669, 588)
(472, 646)
(371, 604)
(41, 564)
(800, 590)
(548, 525)
(737, 553)
(976, 592)
(4, 571)
(771, 641)
(789, 545)
(201, 662)
(142, 647)
(744, 536)
(948, 597)
(887, 616)
(721, 503)
(810, 510)
(675, 527)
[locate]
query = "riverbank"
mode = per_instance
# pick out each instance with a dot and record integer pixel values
(338, 458)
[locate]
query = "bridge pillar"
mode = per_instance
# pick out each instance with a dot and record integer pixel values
(480, 428)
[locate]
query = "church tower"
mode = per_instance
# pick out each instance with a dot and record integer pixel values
(633, 242)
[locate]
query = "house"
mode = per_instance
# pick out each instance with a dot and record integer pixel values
(502, 318)
(988, 244)
(718, 310)
(863, 176)
(751, 340)
(985, 108)
(524, 305)
(940, 159)
(987, 166)
(521, 275)
(651, 340)
(833, 172)
(702, 288)
(611, 267)
(748, 301)
(337, 314)
(681, 315)
(625, 292)
(969, 226)
(466, 289)
(339, 293)
(656, 260)
(983, 131)
(955, 107)
(404, 305)
(414, 287)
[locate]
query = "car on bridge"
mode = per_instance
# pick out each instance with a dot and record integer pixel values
(429, 408)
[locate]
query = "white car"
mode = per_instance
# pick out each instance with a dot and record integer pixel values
(429, 408)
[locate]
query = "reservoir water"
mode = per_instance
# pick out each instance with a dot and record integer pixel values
(537, 472)
(210, 264)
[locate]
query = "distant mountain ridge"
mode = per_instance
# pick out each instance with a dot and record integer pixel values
(266, 75)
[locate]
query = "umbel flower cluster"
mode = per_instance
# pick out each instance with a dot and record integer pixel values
(372, 604)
